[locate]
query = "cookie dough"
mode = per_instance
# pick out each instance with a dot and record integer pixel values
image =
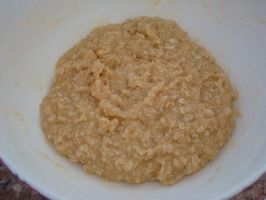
(139, 101)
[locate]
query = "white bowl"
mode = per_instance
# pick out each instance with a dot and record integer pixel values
(35, 33)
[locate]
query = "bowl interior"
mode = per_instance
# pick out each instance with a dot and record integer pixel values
(34, 34)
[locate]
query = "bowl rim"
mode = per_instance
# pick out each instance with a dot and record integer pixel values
(237, 188)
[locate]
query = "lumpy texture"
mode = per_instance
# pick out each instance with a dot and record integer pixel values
(139, 101)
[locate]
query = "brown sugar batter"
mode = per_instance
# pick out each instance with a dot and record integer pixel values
(139, 101)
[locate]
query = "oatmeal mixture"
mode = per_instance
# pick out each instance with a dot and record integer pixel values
(139, 101)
